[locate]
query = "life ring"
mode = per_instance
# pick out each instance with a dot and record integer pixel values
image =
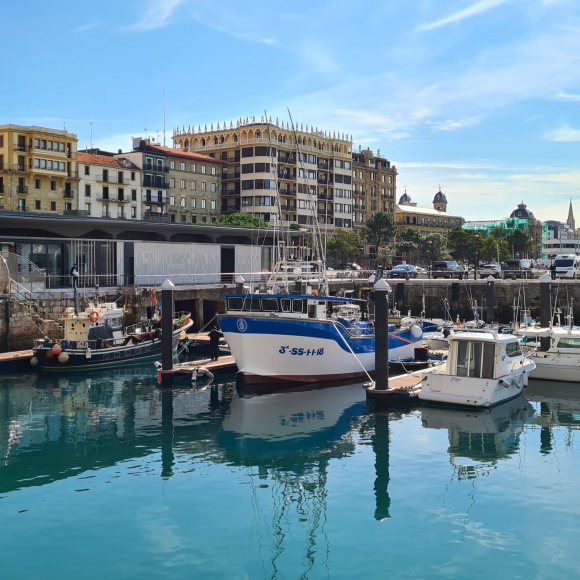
(94, 316)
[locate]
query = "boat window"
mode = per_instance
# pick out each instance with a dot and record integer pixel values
(251, 305)
(297, 306)
(513, 349)
(475, 359)
(269, 305)
(569, 342)
(235, 303)
(285, 304)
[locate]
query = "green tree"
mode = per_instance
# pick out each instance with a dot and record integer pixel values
(380, 229)
(520, 243)
(344, 246)
(433, 246)
(408, 242)
(241, 220)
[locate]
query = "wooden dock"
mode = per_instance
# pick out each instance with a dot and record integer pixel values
(185, 369)
(15, 361)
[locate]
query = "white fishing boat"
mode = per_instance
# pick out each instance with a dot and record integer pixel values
(308, 336)
(484, 368)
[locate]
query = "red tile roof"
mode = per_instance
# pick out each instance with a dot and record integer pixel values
(94, 159)
(183, 153)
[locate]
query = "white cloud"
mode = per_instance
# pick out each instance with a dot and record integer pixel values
(157, 14)
(473, 10)
(570, 97)
(86, 27)
(454, 124)
(564, 133)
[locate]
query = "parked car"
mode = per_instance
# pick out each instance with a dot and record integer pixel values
(447, 269)
(403, 271)
(490, 270)
(517, 269)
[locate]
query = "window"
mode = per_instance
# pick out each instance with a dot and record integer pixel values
(203, 186)
(133, 211)
(213, 204)
(213, 188)
(53, 206)
(105, 175)
(105, 210)
(182, 183)
(133, 195)
(87, 190)
(193, 203)
(132, 176)
(171, 200)
(193, 167)
(37, 204)
(213, 170)
(37, 183)
(172, 182)
(87, 170)
(172, 164)
(68, 206)
(203, 169)
(193, 187)
(203, 204)
(182, 165)
(53, 185)
(88, 208)
(182, 202)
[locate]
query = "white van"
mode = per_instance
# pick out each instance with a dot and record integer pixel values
(567, 266)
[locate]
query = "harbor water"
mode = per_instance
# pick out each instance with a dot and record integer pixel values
(106, 476)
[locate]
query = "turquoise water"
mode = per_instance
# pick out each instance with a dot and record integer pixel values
(107, 477)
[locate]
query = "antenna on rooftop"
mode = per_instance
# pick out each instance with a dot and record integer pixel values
(163, 117)
(91, 124)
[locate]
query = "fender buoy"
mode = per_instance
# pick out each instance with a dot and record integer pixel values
(94, 316)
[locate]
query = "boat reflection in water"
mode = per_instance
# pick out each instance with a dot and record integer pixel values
(484, 436)
(558, 406)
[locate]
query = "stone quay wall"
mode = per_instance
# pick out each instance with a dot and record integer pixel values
(23, 322)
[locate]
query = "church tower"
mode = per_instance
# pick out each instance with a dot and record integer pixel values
(440, 201)
(570, 221)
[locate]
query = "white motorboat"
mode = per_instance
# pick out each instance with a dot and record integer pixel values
(561, 361)
(484, 368)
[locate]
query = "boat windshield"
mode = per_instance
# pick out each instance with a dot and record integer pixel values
(564, 262)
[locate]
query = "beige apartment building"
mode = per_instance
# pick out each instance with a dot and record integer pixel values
(108, 186)
(374, 185)
(277, 172)
(178, 185)
(38, 169)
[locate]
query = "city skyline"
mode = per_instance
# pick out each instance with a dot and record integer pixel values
(480, 98)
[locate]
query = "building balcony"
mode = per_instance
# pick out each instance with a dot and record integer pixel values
(156, 168)
(20, 147)
(20, 167)
(68, 193)
(158, 183)
(156, 217)
(155, 200)
(22, 189)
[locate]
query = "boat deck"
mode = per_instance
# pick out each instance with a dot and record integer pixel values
(15, 355)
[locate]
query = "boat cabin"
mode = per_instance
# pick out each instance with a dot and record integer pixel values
(293, 306)
(482, 355)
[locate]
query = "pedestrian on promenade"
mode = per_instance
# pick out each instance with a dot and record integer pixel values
(553, 271)
(74, 274)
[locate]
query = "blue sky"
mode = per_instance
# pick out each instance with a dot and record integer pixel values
(479, 96)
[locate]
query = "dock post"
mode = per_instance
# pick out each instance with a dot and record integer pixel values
(166, 332)
(490, 307)
(381, 289)
(377, 392)
(545, 318)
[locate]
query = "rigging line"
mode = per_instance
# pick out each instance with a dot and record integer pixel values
(311, 205)
(351, 351)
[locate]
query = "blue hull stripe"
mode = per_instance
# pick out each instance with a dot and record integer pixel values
(308, 328)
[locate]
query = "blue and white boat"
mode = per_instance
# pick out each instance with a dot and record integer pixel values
(307, 335)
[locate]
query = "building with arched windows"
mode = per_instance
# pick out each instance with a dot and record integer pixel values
(277, 171)
(423, 219)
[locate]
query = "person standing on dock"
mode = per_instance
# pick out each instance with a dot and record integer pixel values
(214, 342)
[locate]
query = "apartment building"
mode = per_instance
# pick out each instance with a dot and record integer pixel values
(108, 187)
(38, 169)
(178, 186)
(374, 185)
(278, 172)
(194, 185)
